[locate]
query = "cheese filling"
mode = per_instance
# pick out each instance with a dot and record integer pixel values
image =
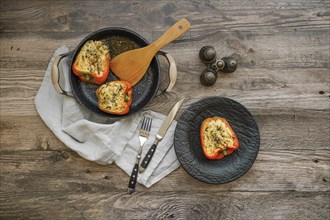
(93, 56)
(112, 95)
(217, 135)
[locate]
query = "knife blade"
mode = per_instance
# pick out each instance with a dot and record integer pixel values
(161, 133)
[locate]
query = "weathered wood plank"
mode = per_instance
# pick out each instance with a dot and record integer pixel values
(64, 16)
(255, 89)
(293, 50)
(166, 205)
(61, 172)
(278, 130)
(27, 133)
(265, 92)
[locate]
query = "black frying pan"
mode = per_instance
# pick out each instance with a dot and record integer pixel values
(118, 40)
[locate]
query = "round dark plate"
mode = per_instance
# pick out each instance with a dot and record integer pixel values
(188, 148)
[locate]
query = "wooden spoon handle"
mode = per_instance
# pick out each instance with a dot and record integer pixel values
(179, 28)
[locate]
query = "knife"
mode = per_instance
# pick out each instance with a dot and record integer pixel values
(161, 133)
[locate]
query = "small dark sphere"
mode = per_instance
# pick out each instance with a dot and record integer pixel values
(208, 77)
(207, 54)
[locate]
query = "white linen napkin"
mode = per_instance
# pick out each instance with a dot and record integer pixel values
(96, 139)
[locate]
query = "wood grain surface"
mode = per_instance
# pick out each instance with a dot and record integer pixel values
(283, 78)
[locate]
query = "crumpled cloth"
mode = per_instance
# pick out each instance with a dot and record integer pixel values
(97, 139)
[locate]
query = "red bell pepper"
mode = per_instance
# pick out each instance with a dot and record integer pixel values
(220, 151)
(115, 97)
(92, 63)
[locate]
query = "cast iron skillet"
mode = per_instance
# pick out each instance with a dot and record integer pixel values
(143, 91)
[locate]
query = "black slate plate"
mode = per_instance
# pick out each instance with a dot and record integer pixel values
(188, 148)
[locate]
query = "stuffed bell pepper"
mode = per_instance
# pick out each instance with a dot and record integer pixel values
(115, 97)
(218, 138)
(92, 62)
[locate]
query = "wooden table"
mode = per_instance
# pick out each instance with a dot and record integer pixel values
(283, 79)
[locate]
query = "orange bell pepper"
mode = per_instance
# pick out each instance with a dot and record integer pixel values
(92, 64)
(220, 151)
(93, 77)
(115, 97)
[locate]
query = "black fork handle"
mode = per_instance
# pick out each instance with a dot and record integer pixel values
(135, 172)
(133, 179)
(144, 132)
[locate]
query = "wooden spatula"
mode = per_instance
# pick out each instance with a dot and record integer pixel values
(132, 65)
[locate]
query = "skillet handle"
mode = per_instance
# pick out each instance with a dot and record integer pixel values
(172, 71)
(55, 74)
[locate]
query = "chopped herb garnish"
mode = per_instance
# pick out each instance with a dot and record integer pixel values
(88, 77)
(126, 98)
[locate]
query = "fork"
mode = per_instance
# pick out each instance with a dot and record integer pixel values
(143, 136)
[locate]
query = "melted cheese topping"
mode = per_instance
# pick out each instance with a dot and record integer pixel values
(217, 135)
(92, 56)
(111, 95)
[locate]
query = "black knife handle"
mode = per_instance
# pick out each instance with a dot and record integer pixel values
(133, 178)
(147, 158)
